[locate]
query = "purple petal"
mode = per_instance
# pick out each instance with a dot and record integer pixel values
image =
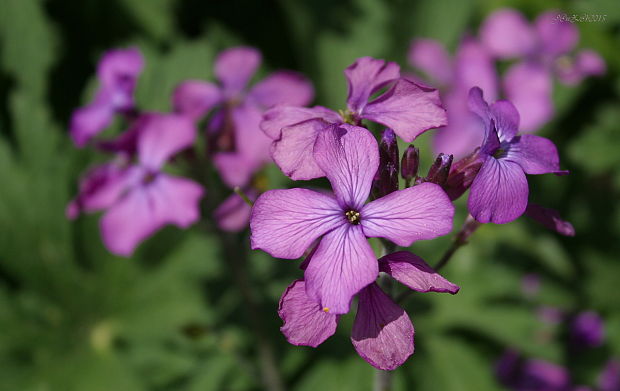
(506, 118)
(609, 379)
(234, 168)
(586, 63)
(305, 322)
(234, 67)
(365, 77)
(349, 156)
(233, 215)
(282, 116)
(88, 121)
(119, 68)
(407, 108)
(557, 37)
(283, 87)
(543, 375)
(535, 154)
(587, 330)
(474, 66)
(432, 58)
(382, 333)
(195, 98)
(250, 141)
(418, 213)
(499, 192)
(162, 136)
(147, 208)
(102, 186)
(550, 218)
(506, 33)
(285, 222)
(411, 270)
(293, 152)
(528, 87)
(343, 264)
(477, 104)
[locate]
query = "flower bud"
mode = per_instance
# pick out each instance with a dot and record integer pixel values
(462, 175)
(410, 163)
(438, 173)
(386, 178)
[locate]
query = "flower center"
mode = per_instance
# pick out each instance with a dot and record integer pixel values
(353, 217)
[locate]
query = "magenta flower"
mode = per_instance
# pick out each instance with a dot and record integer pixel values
(521, 374)
(406, 107)
(609, 379)
(117, 72)
(544, 49)
(587, 330)
(499, 192)
(285, 223)
(139, 198)
(241, 147)
(382, 333)
(472, 66)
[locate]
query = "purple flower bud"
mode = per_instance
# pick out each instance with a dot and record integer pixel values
(438, 173)
(462, 175)
(386, 178)
(410, 163)
(587, 330)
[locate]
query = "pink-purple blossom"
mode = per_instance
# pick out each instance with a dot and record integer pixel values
(382, 332)
(407, 108)
(138, 197)
(117, 74)
(285, 223)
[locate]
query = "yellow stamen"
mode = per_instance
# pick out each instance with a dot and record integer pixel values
(325, 309)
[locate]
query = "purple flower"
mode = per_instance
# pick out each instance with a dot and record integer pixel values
(609, 380)
(586, 330)
(241, 148)
(407, 108)
(499, 192)
(233, 214)
(549, 218)
(521, 374)
(382, 332)
(139, 198)
(472, 66)
(285, 223)
(544, 49)
(117, 72)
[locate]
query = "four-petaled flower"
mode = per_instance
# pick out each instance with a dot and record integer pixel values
(406, 107)
(285, 223)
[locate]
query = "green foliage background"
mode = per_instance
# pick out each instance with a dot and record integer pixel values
(73, 317)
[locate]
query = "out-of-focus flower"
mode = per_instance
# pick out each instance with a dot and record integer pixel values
(117, 73)
(240, 147)
(382, 333)
(285, 223)
(407, 108)
(586, 330)
(609, 380)
(550, 218)
(530, 284)
(521, 374)
(138, 197)
(233, 214)
(499, 192)
(472, 66)
(544, 50)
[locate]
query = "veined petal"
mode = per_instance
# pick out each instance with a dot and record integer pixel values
(432, 58)
(382, 333)
(147, 208)
(342, 264)
(508, 34)
(283, 87)
(305, 322)
(550, 218)
(235, 66)
(366, 76)
(404, 216)
(285, 222)
(411, 270)
(349, 156)
(409, 109)
(162, 136)
(194, 98)
(506, 118)
(499, 192)
(293, 152)
(535, 154)
(281, 116)
(528, 86)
